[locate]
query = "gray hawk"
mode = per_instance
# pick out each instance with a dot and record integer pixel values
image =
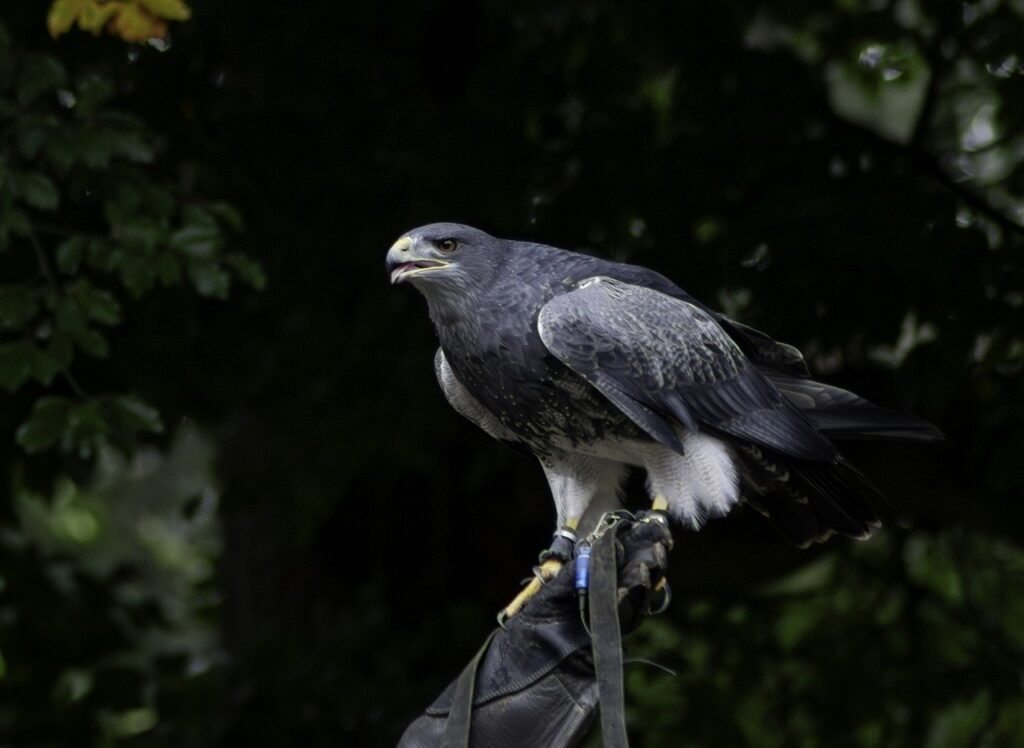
(596, 367)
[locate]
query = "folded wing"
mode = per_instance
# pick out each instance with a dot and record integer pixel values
(662, 360)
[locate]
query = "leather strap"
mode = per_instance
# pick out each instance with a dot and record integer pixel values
(607, 640)
(457, 728)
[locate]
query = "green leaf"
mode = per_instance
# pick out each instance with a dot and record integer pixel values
(961, 724)
(120, 120)
(228, 215)
(60, 349)
(135, 147)
(194, 215)
(141, 232)
(66, 313)
(98, 304)
(60, 151)
(132, 415)
(38, 190)
(137, 273)
(813, 576)
(16, 222)
(39, 73)
(196, 241)
(95, 147)
(168, 268)
(248, 269)
(31, 139)
(18, 306)
(796, 622)
(69, 254)
(103, 254)
(72, 321)
(200, 237)
(87, 429)
(93, 90)
(45, 425)
(45, 366)
(90, 341)
(3, 666)
(7, 61)
(15, 364)
(132, 722)
(209, 279)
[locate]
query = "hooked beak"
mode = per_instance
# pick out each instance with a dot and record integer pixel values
(402, 265)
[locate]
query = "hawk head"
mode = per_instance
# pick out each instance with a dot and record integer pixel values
(445, 258)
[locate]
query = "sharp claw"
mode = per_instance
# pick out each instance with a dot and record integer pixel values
(542, 575)
(666, 597)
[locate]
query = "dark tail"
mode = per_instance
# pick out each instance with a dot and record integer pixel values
(809, 501)
(840, 414)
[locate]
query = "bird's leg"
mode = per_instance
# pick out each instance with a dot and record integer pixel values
(660, 504)
(551, 562)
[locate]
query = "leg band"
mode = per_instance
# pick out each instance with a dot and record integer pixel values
(562, 546)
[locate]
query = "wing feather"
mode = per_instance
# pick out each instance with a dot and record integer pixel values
(661, 360)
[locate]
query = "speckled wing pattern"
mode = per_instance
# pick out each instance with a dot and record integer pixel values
(659, 359)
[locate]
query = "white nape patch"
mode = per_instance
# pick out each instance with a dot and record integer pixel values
(591, 281)
(699, 484)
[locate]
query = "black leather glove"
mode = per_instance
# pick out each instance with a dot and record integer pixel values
(535, 683)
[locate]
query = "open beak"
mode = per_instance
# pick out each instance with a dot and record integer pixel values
(402, 266)
(405, 270)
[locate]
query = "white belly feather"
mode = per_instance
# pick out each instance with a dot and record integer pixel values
(701, 483)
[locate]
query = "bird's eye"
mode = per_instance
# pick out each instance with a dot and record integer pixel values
(447, 245)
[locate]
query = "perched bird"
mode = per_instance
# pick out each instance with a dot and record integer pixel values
(596, 367)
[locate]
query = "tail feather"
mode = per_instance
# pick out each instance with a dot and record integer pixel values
(842, 498)
(840, 414)
(872, 422)
(809, 501)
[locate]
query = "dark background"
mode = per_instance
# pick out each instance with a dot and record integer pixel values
(315, 543)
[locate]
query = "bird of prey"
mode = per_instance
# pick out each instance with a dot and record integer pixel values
(596, 367)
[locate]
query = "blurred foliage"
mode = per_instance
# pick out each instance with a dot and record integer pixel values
(87, 218)
(918, 636)
(137, 21)
(846, 175)
(109, 596)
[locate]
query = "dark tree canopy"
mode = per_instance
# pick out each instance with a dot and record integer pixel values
(244, 515)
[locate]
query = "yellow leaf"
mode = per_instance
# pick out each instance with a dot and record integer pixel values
(132, 20)
(95, 16)
(62, 15)
(172, 10)
(136, 24)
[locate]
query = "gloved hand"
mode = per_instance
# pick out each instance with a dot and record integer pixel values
(535, 683)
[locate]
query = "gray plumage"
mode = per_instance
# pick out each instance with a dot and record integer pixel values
(657, 358)
(594, 366)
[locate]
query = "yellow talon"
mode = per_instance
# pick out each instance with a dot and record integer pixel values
(659, 504)
(545, 573)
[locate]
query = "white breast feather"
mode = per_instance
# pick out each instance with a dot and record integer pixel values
(464, 403)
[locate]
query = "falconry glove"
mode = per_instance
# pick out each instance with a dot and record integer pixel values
(533, 683)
